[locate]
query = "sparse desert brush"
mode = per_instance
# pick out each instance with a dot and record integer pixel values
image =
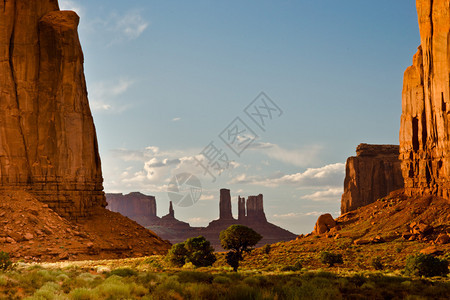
(426, 265)
(377, 264)
(330, 258)
(5, 261)
(123, 272)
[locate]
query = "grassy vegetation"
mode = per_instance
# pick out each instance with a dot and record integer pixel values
(152, 278)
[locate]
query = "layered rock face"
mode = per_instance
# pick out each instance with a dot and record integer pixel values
(424, 130)
(136, 206)
(255, 208)
(373, 173)
(48, 143)
(225, 205)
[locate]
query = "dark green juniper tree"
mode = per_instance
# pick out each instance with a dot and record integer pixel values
(196, 250)
(238, 239)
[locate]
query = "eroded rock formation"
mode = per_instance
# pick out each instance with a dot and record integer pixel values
(425, 131)
(136, 206)
(225, 205)
(372, 174)
(48, 143)
(255, 208)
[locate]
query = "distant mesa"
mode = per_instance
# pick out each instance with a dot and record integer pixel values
(250, 213)
(136, 206)
(373, 173)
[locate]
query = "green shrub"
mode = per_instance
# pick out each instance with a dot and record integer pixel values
(123, 272)
(296, 267)
(377, 264)
(5, 261)
(197, 251)
(330, 258)
(81, 294)
(426, 265)
(191, 276)
(222, 280)
(177, 255)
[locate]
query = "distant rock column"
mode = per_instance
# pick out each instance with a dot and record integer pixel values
(255, 208)
(171, 211)
(241, 208)
(372, 174)
(225, 205)
(425, 120)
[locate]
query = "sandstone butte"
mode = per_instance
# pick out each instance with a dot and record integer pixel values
(370, 175)
(48, 143)
(424, 129)
(139, 207)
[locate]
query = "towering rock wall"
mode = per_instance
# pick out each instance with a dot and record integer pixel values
(255, 209)
(424, 130)
(372, 174)
(136, 206)
(48, 144)
(225, 205)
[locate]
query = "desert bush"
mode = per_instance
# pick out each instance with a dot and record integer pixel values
(377, 264)
(123, 272)
(330, 258)
(190, 276)
(266, 248)
(81, 294)
(5, 261)
(426, 265)
(222, 280)
(197, 251)
(296, 267)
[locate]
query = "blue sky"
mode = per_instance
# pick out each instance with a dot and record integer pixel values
(165, 78)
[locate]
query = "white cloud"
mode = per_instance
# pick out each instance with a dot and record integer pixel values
(207, 197)
(326, 176)
(332, 195)
(176, 119)
(71, 5)
(132, 24)
(103, 93)
(297, 157)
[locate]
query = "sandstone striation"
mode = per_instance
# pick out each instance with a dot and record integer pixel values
(424, 129)
(136, 206)
(373, 173)
(48, 143)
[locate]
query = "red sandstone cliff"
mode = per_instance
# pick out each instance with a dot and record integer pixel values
(372, 174)
(424, 130)
(48, 144)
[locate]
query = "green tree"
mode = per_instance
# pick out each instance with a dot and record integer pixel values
(197, 251)
(238, 239)
(330, 258)
(426, 265)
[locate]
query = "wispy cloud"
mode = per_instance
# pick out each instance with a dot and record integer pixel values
(331, 195)
(176, 119)
(327, 176)
(132, 24)
(303, 157)
(102, 94)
